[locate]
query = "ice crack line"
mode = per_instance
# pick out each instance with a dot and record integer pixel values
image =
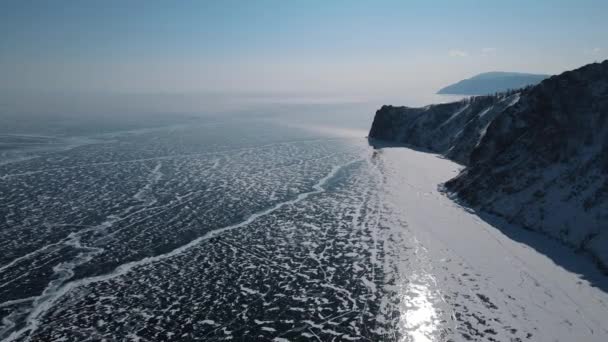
(165, 157)
(53, 293)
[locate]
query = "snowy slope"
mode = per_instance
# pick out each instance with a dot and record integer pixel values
(538, 158)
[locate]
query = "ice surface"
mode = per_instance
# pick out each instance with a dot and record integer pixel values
(183, 233)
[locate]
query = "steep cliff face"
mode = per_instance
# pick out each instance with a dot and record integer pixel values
(539, 159)
(453, 129)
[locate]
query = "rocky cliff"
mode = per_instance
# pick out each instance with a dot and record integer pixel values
(453, 129)
(537, 157)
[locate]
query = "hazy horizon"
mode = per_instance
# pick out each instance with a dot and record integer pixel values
(339, 49)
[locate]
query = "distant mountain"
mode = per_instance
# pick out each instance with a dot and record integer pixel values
(492, 82)
(537, 157)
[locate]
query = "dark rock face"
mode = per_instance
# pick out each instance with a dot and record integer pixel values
(453, 129)
(540, 161)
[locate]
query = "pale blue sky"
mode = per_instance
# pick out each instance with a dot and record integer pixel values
(318, 46)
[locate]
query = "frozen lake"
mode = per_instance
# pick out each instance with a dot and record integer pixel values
(258, 228)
